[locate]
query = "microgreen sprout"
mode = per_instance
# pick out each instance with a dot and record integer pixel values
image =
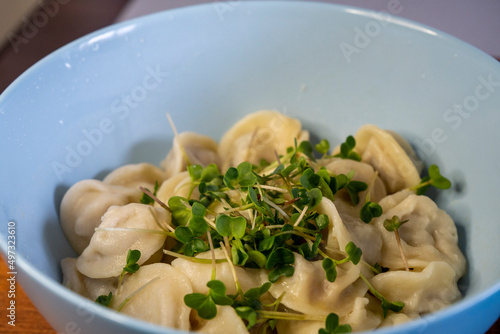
(322, 147)
(131, 266)
(347, 150)
(333, 326)
(104, 300)
(369, 211)
(386, 304)
(205, 304)
(392, 225)
(146, 199)
(434, 179)
(330, 265)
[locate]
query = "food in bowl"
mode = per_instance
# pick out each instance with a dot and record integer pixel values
(265, 232)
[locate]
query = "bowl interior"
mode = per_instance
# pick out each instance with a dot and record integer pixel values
(100, 102)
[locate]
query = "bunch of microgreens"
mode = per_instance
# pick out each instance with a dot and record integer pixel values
(273, 218)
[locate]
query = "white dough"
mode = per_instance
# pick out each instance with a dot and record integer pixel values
(258, 136)
(106, 254)
(200, 150)
(84, 204)
(135, 175)
(160, 302)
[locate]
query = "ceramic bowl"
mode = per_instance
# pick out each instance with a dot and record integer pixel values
(100, 102)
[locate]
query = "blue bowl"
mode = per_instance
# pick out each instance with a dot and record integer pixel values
(100, 102)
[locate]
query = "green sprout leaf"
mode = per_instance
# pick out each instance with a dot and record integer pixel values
(393, 306)
(333, 326)
(330, 269)
(205, 305)
(434, 179)
(280, 256)
(437, 180)
(195, 172)
(238, 252)
(354, 252)
(346, 150)
(322, 221)
(181, 213)
(279, 271)
(354, 188)
(322, 147)
(247, 313)
(246, 176)
(306, 148)
(104, 300)
(228, 226)
(146, 199)
(132, 257)
(393, 224)
(369, 211)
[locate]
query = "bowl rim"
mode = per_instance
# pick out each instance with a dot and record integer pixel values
(28, 270)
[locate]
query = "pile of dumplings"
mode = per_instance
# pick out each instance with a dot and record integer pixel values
(429, 241)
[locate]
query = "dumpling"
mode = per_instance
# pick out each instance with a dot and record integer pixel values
(200, 150)
(381, 150)
(399, 318)
(226, 321)
(100, 286)
(309, 292)
(360, 318)
(72, 278)
(161, 301)
(84, 204)
(362, 172)
(427, 291)
(338, 235)
(299, 326)
(106, 254)
(178, 185)
(135, 175)
(345, 227)
(200, 273)
(429, 235)
(365, 236)
(258, 136)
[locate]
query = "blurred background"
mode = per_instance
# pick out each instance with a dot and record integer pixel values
(31, 29)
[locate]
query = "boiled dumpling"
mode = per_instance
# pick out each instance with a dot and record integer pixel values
(83, 285)
(84, 204)
(106, 254)
(344, 227)
(363, 316)
(260, 135)
(178, 185)
(226, 321)
(365, 236)
(338, 235)
(309, 292)
(426, 291)
(381, 150)
(161, 301)
(359, 318)
(72, 278)
(136, 175)
(429, 235)
(200, 150)
(362, 172)
(200, 273)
